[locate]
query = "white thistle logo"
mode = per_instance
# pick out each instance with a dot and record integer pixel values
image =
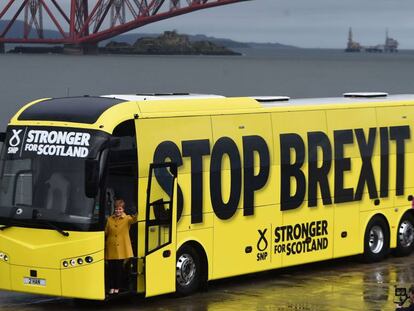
(15, 140)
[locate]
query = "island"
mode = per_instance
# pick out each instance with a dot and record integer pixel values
(169, 43)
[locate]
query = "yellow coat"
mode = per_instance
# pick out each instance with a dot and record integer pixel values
(117, 242)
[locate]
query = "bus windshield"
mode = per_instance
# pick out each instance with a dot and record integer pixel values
(42, 178)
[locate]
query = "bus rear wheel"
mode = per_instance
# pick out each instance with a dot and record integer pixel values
(188, 271)
(376, 240)
(405, 236)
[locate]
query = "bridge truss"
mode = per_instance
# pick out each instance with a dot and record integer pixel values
(80, 22)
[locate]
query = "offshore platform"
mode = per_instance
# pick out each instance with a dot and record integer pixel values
(390, 45)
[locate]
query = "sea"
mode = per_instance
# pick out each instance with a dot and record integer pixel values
(296, 73)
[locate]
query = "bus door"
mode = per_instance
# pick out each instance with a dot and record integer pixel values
(160, 229)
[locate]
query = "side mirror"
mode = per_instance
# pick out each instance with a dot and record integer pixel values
(91, 178)
(2, 137)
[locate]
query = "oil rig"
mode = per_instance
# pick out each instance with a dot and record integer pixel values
(390, 45)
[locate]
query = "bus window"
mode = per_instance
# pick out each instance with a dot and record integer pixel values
(48, 184)
(121, 177)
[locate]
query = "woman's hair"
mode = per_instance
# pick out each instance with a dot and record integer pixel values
(120, 202)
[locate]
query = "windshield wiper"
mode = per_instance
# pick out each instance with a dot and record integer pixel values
(60, 230)
(51, 225)
(36, 214)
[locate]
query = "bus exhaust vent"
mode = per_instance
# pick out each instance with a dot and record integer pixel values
(270, 99)
(366, 94)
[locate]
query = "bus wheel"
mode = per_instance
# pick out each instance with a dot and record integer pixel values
(376, 240)
(188, 271)
(405, 236)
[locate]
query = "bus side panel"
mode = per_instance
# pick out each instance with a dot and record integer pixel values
(396, 116)
(307, 232)
(342, 123)
(399, 116)
(348, 239)
(244, 244)
(242, 239)
(248, 132)
(162, 140)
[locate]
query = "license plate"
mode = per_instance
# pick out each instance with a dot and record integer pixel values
(34, 281)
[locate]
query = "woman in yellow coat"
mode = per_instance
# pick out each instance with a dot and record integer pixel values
(118, 244)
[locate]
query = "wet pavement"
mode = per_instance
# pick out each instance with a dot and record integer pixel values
(344, 284)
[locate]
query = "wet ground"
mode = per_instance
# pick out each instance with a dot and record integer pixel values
(344, 284)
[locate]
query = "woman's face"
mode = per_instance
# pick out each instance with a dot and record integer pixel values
(119, 209)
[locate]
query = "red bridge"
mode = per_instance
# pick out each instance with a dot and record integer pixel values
(84, 23)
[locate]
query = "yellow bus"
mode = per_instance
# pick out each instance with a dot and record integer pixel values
(222, 187)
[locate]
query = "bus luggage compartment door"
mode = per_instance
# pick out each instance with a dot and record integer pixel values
(160, 229)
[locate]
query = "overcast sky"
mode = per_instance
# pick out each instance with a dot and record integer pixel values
(304, 23)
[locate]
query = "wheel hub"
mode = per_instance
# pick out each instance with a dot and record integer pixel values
(406, 234)
(376, 239)
(185, 269)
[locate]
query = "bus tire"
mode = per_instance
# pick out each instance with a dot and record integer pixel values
(188, 271)
(376, 240)
(405, 236)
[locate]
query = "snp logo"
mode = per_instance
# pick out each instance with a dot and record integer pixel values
(262, 245)
(14, 142)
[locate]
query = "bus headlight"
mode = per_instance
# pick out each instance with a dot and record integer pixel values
(76, 261)
(4, 257)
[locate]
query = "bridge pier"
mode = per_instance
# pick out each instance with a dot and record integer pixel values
(81, 49)
(2, 48)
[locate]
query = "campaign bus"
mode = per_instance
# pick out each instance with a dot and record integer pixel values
(222, 187)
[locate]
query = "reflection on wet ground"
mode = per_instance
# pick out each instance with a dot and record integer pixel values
(333, 285)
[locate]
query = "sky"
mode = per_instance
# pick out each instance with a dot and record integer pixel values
(303, 23)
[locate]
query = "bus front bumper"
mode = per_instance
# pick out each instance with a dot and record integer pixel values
(80, 281)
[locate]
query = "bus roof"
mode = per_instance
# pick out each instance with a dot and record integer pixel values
(160, 96)
(88, 109)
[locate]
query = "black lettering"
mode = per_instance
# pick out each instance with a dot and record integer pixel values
(324, 227)
(366, 149)
(277, 235)
(305, 230)
(252, 183)
(341, 138)
(289, 142)
(196, 149)
(319, 175)
(297, 231)
(169, 150)
(289, 235)
(400, 134)
(385, 162)
(223, 146)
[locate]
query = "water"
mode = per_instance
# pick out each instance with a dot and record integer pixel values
(295, 73)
